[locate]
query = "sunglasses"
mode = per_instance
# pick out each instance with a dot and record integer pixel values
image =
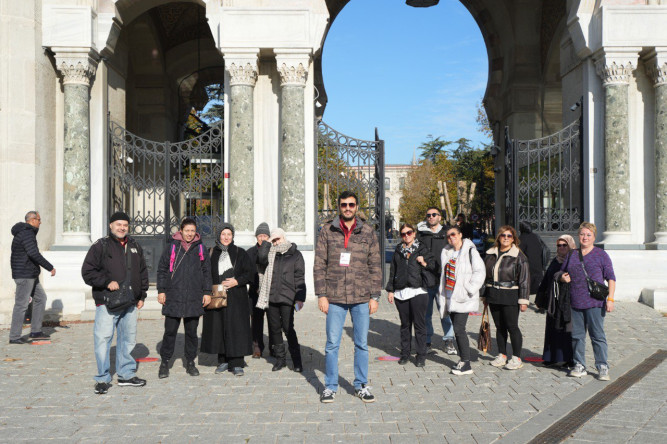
(561, 245)
(407, 233)
(348, 205)
(506, 236)
(454, 234)
(432, 214)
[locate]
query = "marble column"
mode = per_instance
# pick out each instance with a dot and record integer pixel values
(77, 71)
(242, 78)
(657, 71)
(615, 80)
(293, 69)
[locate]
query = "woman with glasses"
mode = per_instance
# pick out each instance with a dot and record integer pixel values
(588, 313)
(557, 340)
(506, 294)
(461, 278)
(412, 271)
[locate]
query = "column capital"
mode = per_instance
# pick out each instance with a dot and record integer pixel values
(76, 66)
(241, 64)
(292, 66)
(656, 65)
(616, 66)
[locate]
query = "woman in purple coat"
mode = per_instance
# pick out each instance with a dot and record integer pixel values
(588, 313)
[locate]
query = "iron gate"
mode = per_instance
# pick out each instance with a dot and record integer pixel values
(544, 180)
(346, 163)
(159, 183)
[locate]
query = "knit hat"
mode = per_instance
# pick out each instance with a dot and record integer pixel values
(226, 226)
(277, 233)
(119, 215)
(262, 228)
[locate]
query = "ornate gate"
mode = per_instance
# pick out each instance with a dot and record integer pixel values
(346, 163)
(544, 180)
(159, 183)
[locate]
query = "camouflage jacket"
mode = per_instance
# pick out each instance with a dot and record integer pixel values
(358, 282)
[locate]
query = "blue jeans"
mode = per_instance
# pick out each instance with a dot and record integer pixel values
(335, 320)
(125, 323)
(446, 323)
(591, 320)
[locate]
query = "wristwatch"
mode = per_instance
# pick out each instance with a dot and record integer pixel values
(376, 298)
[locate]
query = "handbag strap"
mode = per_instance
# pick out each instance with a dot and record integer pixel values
(581, 259)
(485, 314)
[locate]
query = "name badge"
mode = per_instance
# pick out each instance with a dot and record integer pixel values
(345, 258)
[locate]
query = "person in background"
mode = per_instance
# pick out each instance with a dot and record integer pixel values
(262, 234)
(465, 227)
(531, 245)
(413, 269)
(588, 313)
(506, 293)
(184, 289)
(282, 288)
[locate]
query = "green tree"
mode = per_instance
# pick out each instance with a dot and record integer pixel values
(215, 111)
(432, 147)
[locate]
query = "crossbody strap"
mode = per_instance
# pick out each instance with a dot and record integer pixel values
(581, 259)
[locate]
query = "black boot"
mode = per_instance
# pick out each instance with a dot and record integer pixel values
(296, 359)
(190, 369)
(163, 372)
(281, 361)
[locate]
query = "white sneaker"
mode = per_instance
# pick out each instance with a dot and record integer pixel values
(500, 361)
(603, 374)
(578, 371)
(462, 368)
(514, 364)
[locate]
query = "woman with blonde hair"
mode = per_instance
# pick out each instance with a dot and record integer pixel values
(506, 293)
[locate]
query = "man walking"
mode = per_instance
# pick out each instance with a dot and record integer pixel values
(434, 236)
(25, 262)
(262, 234)
(348, 277)
(116, 269)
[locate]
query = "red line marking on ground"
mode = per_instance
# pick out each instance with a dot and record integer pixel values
(388, 358)
(146, 359)
(533, 359)
(40, 342)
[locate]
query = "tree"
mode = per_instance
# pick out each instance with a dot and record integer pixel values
(432, 147)
(215, 111)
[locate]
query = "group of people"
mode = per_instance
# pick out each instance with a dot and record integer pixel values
(233, 289)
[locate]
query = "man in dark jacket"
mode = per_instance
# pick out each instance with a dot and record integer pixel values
(262, 234)
(531, 245)
(348, 277)
(106, 270)
(25, 262)
(434, 236)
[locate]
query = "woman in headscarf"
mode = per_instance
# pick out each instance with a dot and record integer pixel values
(184, 289)
(226, 330)
(557, 341)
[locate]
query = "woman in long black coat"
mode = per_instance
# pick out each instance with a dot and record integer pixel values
(226, 330)
(184, 289)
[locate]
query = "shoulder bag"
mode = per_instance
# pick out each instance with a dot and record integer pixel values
(124, 296)
(597, 290)
(219, 293)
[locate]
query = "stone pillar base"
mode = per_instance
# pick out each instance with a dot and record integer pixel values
(75, 239)
(660, 237)
(615, 238)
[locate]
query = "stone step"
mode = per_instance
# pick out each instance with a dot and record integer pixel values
(655, 298)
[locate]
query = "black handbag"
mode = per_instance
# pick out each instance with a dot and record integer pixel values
(124, 296)
(597, 290)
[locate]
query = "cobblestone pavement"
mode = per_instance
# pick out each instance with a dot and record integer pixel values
(46, 391)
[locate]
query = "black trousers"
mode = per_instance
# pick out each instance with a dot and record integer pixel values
(413, 312)
(171, 325)
(459, 321)
(257, 325)
(281, 319)
(506, 319)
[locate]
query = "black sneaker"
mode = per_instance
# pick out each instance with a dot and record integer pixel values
(163, 372)
(191, 370)
(327, 396)
(39, 335)
(462, 368)
(101, 388)
(403, 361)
(132, 382)
(19, 341)
(364, 393)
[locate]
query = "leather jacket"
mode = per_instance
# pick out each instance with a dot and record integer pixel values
(511, 272)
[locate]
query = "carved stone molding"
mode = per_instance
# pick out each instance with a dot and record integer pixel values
(242, 74)
(292, 75)
(613, 73)
(656, 65)
(77, 69)
(658, 73)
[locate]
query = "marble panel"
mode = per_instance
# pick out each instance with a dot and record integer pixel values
(292, 160)
(661, 156)
(617, 168)
(241, 157)
(76, 160)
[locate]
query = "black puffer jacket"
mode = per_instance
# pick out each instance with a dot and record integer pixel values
(288, 283)
(511, 272)
(98, 271)
(26, 258)
(407, 272)
(436, 242)
(188, 283)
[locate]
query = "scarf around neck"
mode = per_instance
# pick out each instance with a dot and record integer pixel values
(186, 245)
(406, 251)
(265, 278)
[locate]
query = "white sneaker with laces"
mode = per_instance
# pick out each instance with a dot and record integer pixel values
(578, 371)
(500, 361)
(514, 364)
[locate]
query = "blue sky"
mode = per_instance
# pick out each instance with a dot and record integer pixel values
(408, 71)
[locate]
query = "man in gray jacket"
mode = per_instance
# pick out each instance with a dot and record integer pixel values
(26, 261)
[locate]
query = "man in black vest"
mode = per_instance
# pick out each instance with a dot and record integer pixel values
(116, 263)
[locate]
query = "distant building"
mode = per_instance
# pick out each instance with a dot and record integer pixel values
(394, 183)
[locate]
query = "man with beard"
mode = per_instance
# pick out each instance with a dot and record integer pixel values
(116, 264)
(348, 277)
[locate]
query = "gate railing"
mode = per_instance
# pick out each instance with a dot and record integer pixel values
(347, 163)
(544, 180)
